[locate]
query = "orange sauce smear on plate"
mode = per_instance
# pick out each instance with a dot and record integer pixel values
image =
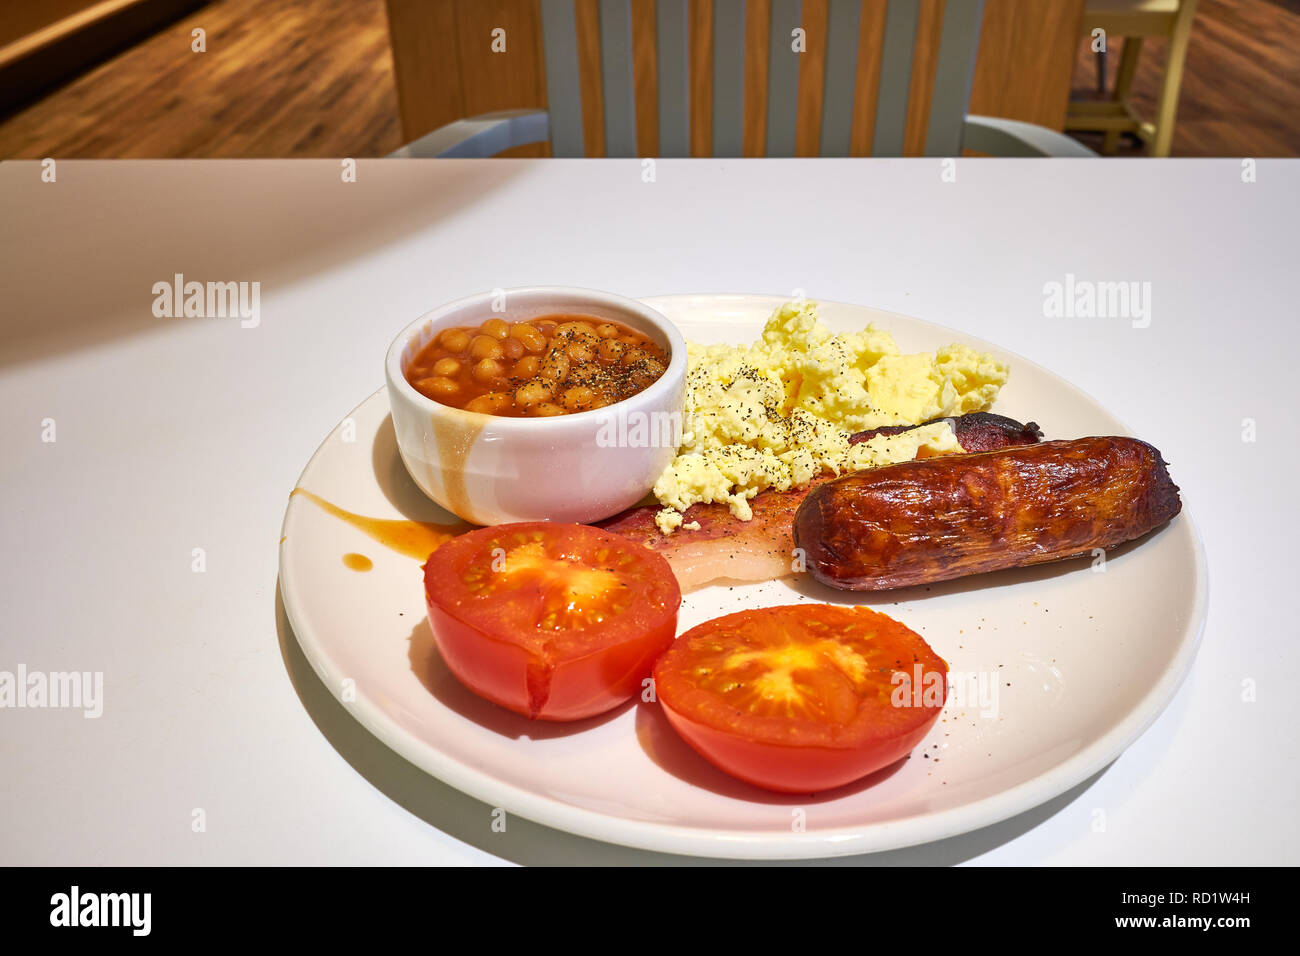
(415, 539)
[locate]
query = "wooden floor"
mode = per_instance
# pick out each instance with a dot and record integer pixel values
(1241, 88)
(280, 78)
(298, 78)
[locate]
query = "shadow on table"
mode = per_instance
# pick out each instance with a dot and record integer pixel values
(525, 842)
(90, 247)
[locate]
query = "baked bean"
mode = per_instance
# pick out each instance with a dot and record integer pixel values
(646, 373)
(440, 388)
(575, 328)
(640, 379)
(446, 366)
(526, 367)
(610, 351)
(570, 333)
(532, 393)
(546, 409)
(632, 356)
(585, 373)
(489, 372)
(607, 330)
(484, 347)
(532, 339)
(454, 340)
(555, 367)
(497, 328)
(578, 398)
(512, 348)
(490, 403)
(580, 352)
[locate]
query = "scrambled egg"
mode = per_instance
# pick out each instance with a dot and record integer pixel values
(778, 412)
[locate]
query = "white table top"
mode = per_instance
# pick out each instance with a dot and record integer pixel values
(175, 434)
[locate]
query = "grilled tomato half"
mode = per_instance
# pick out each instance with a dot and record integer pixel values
(801, 698)
(552, 621)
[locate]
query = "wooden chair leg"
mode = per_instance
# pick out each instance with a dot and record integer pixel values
(1168, 106)
(1128, 61)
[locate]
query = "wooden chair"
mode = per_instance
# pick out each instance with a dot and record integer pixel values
(949, 129)
(1134, 20)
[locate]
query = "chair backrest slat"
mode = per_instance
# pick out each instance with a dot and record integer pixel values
(710, 66)
(783, 79)
(958, 46)
(563, 85)
(841, 75)
(895, 77)
(728, 77)
(616, 77)
(674, 89)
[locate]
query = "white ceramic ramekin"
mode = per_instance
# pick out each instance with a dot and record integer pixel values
(491, 469)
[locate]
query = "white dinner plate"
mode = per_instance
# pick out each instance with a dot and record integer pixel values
(1082, 656)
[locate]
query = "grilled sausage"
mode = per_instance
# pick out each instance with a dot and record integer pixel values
(940, 518)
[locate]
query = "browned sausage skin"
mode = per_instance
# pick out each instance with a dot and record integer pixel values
(939, 518)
